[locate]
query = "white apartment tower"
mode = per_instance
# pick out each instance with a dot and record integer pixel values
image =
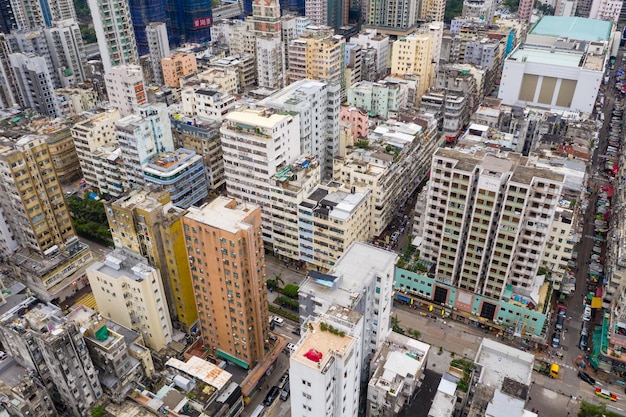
(143, 136)
(35, 83)
(92, 135)
(256, 144)
(487, 220)
(361, 280)
(319, 105)
(130, 292)
(325, 369)
(159, 47)
(69, 58)
(126, 88)
(270, 59)
(115, 33)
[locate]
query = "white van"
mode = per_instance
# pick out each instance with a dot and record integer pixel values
(259, 411)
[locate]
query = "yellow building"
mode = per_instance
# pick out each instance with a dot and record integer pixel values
(130, 292)
(433, 10)
(177, 66)
(33, 201)
(318, 55)
(225, 247)
(147, 223)
(412, 56)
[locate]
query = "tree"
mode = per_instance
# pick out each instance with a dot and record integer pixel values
(291, 290)
(592, 410)
(454, 8)
(545, 9)
(98, 411)
(278, 278)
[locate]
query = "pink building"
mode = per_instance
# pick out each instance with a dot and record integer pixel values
(525, 10)
(357, 118)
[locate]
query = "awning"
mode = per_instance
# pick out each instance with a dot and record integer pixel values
(230, 358)
(403, 298)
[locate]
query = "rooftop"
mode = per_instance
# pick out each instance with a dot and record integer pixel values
(527, 53)
(171, 163)
(123, 264)
(345, 282)
(206, 372)
(326, 343)
(257, 118)
(578, 28)
(500, 361)
(223, 213)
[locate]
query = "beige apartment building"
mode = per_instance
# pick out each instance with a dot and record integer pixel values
(330, 219)
(487, 220)
(318, 55)
(130, 292)
(147, 223)
(231, 296)
(412, 56)
(33, 203)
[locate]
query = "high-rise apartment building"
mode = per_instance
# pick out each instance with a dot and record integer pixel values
(93, 132)
(68, 52)
(176, 66)
(333, 13)
(114, 30)
(158, 48)
(142, 13)
(433, 10)
(362, 280)
(413, 55)
(189, 21)
(318, 104)
(35, 209)
(35, 83)
(230, 294)
(23, 392)
(39, 337)
(130, 292)
(525, 10)
(394, 14)
(318, 55)
(270, 58)
(605, 10)
(141, 137)
(181, 172)
(202, 137)
(32, 14)
(126, 88)
(266, 17)
(325, 368)
(292, 27)
(256, 144)
(147, 223)
(494, 225)
(371, 40)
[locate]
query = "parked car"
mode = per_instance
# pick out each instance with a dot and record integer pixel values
(602, 393)
(289, 349)
(271, 396)
(585, 377)
(559, 322)
(279, 321)
(284, 394)
(556, 340)
(296, 330)
(583, 343)
(283, 380)
(587, 313)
